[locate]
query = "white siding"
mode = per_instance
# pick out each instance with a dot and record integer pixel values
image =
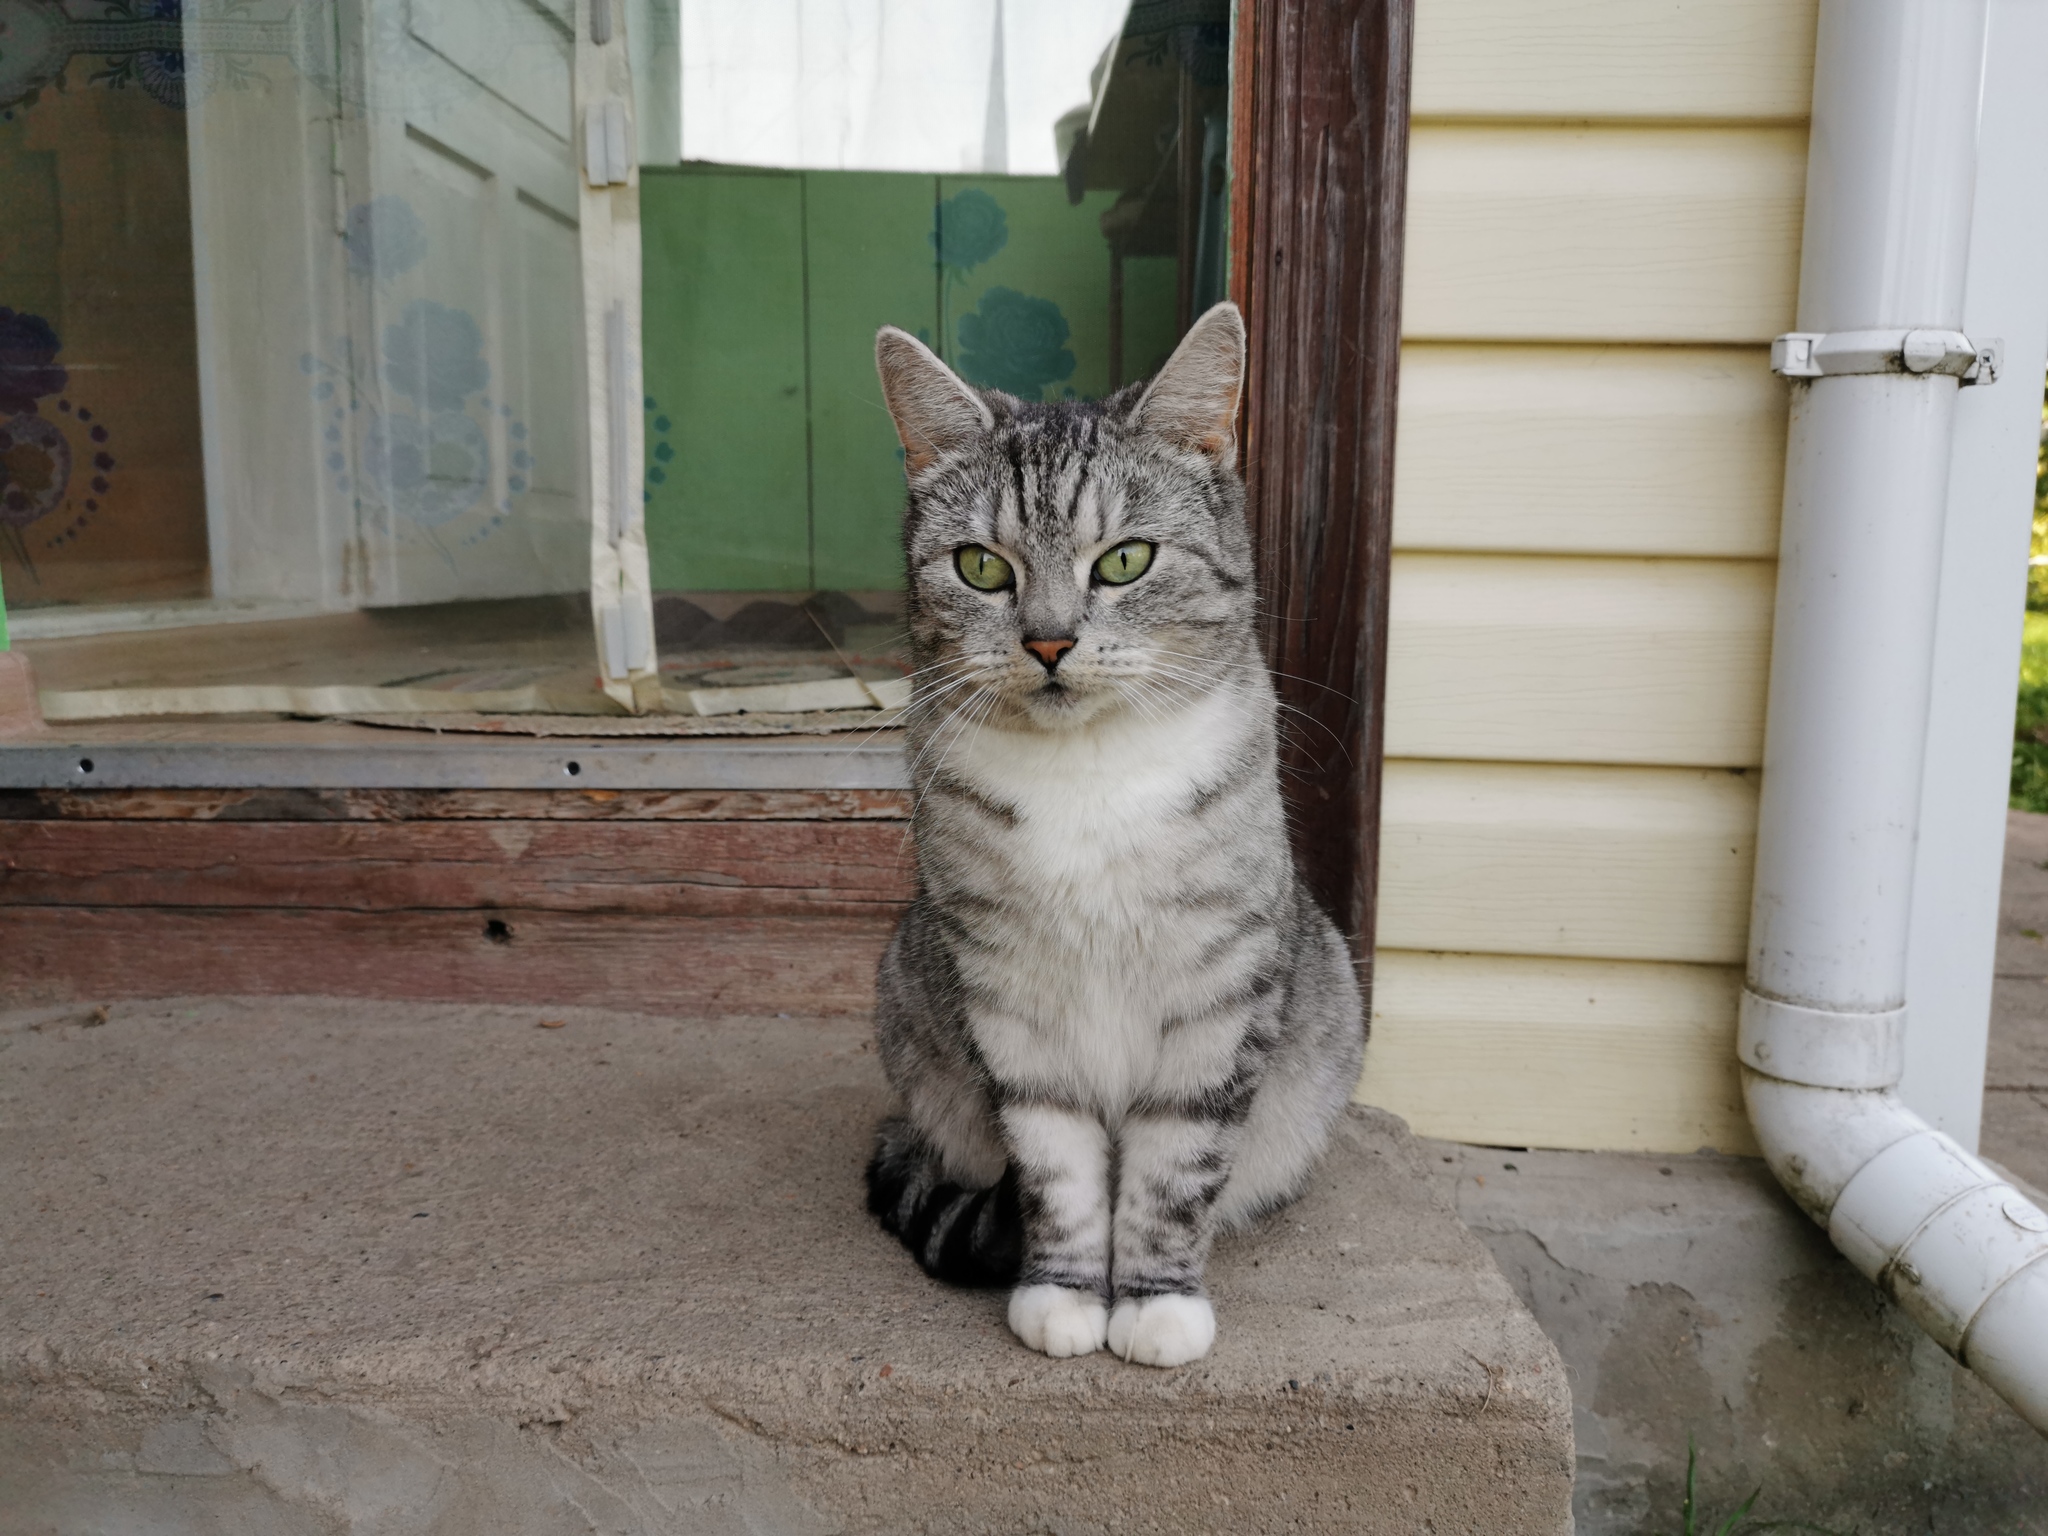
(1558, 1053)
(1733, 60)
(1568, 660)
(1589, 450)
(1537, 233)
(1595, 863)
(1603, 236)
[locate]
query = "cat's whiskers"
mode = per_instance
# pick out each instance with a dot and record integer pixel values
(1284, 708)
(952, 719)
(943, 662)
(968, 677)
(1290, 676)
(1144, 698)
(1194, 682)
(896, 717)
(960, 723)
(1281, 705)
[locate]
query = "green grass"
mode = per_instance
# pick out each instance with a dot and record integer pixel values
(2029, 751)
(1693, 1522)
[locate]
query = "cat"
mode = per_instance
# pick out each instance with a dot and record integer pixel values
(1116, 1019)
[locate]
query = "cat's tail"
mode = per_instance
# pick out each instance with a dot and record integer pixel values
(964, 1236)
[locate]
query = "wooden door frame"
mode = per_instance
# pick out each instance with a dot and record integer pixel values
(1319, 151)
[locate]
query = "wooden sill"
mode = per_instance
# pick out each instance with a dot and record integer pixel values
(228, 753)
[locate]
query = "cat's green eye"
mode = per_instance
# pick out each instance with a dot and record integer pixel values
(1126, 563)
(982, 569)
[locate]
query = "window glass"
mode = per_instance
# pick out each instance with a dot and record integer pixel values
(1037, 190)
(293, 339)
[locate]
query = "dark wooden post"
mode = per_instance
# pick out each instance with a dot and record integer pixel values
(1319, 152)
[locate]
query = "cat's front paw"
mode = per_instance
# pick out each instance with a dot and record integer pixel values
(1162, 1330)
(1057, 1321)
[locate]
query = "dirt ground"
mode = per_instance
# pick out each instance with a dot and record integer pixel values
(2016, 1077)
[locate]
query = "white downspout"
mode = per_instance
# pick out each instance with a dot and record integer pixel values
(1877, 359)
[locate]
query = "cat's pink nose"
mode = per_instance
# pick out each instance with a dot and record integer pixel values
(1049, 651)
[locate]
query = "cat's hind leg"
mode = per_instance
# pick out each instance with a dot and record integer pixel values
(1309, 1078)
(938, 1177)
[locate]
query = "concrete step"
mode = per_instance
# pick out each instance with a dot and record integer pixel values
(295, 1266)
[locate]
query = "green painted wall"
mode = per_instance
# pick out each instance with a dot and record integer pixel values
(772, 464)
(1151, 319)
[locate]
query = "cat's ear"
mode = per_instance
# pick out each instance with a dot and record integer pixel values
(934, 412)
(1193, 401)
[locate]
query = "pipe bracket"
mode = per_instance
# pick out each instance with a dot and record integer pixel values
(1814, 354)
(1820, 1047)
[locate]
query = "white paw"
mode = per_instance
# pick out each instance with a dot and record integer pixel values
(1162, 1330)
(1058, 1322)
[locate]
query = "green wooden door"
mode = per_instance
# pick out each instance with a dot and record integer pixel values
(772, 462)
(723, 316)
(870, 261)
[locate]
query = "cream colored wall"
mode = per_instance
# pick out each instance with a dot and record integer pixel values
(1603, 236)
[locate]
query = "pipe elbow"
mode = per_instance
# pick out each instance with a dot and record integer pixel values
(1816, 1139)
(1961, 1250)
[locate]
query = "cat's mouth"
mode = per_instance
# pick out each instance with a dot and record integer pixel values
(1054, 694)
(1057, 699)
(1065, 703)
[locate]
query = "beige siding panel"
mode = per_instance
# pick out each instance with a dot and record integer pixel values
(1523, 658)
(1557, 1053)
(1589, 450)
(1542, 859)
(1614, 58)
(1602, 234)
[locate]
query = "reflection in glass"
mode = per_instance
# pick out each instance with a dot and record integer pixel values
(290, 322)
(102, 492)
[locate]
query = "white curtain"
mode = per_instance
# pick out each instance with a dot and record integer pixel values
(888, 85)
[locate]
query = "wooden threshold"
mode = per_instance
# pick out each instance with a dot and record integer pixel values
(665, 868)
(737, 876)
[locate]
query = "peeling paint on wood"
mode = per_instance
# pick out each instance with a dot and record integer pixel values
(676, 868)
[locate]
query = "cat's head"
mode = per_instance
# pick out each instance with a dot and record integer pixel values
(1068, 561)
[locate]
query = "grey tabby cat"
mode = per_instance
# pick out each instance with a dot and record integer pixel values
(1117, 1021)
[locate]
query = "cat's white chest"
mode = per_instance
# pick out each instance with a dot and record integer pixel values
(1097, 809)
(1097, 955)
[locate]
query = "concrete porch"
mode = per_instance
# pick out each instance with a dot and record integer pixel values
(286, 1265)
